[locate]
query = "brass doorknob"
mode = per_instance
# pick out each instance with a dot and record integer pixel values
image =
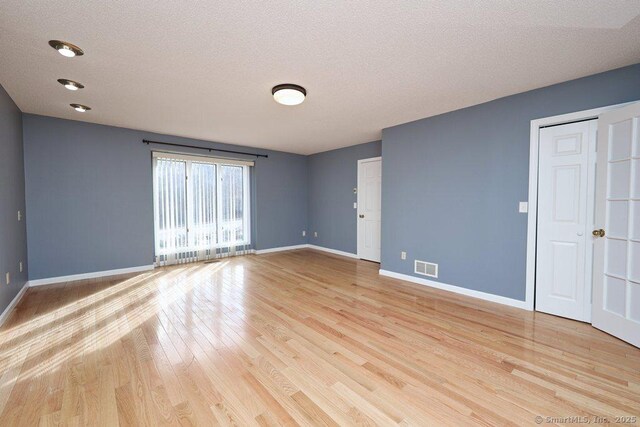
(598, 233)
(361, 216)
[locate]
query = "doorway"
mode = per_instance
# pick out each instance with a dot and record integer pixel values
(201, 207)
(583, 239)
(369, 208)
(566, 191)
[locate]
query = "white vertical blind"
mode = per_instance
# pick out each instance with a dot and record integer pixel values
(170, 207)
(201, 208)
(202, 228)
(232, 203)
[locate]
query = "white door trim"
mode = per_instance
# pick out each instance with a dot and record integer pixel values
(361, 161)
(532, 220)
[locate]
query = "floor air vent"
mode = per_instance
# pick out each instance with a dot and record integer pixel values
(426, 268)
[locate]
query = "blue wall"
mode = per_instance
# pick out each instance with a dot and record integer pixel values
(451, 183)
(451, 186)
(89, 193)
(332, 177)
(13, 234)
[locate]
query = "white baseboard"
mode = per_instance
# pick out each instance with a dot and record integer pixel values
(307, 246)
(280, 249)
(7, 311)
(94, 275)
(457, 289)
(333, 251)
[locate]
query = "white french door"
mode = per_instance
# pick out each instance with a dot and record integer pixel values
(616, 285)
(201, 207)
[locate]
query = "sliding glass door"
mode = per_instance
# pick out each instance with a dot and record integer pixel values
(232, 212)
(201, 207)
(203, 218)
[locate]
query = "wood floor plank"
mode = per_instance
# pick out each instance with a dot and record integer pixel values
(298, 338)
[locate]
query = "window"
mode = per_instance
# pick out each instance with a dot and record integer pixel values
(201, 207)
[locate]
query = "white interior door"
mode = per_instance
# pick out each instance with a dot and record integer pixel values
(369, 206)
(616, 286)
(566, 189)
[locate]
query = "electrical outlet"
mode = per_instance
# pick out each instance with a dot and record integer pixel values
(8, 278)
(304, 233)
(315, 234)
(403, 255)
(20, 264)
(19, 216)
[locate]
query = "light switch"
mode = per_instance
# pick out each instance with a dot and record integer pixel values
(315, 234)
(20, 266)
(524, 207)
(304, 233)
(355, 205)
(8, 278)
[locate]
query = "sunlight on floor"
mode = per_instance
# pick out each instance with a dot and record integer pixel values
(98, 320)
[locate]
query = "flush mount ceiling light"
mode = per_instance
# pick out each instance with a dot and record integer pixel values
(80, 108)
(66, 49)
(288, 94)
(70, 84)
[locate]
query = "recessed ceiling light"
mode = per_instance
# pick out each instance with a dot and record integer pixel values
(80, 108)
(288, 94)
(66, 49)
(70, 84)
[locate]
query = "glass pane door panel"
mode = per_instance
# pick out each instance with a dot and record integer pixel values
(171, 206)
(232, 204)
(203, 224)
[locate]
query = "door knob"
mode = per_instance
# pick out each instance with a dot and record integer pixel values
(598, 233)
(361, 216)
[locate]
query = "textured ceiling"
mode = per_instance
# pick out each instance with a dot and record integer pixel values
(204, 69)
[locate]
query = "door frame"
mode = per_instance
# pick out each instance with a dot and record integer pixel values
(360, 161)
(532, 219)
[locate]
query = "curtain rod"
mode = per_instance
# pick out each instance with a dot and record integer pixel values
(146, 141)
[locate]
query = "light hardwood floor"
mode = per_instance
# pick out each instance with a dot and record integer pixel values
(298, 338)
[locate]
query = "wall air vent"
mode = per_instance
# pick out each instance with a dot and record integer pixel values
(426, 269)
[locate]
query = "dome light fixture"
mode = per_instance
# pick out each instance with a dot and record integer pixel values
(70, 84)
(80, 108)
(66, 49)
(288, 94)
